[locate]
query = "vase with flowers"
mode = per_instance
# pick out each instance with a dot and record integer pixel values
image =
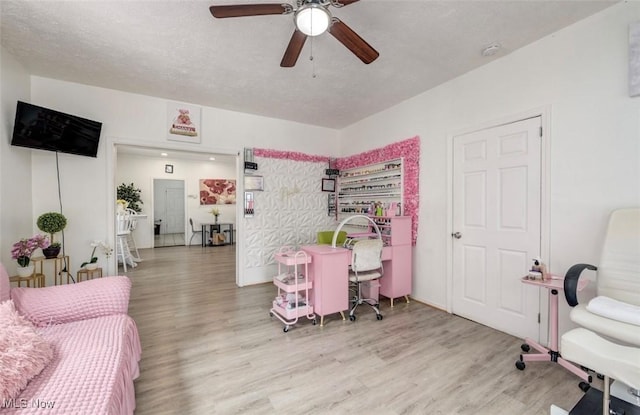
(22, 251)
(215, 212)
(121, 205)
(93, 261)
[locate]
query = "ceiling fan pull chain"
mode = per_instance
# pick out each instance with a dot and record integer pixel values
(313, 62)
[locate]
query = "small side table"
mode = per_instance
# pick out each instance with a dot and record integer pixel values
(89, 274)
(37, 279)
(550, 354)
(60, 264)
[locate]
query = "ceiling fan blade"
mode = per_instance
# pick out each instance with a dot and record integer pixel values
(346, 2)
(240, 10)
(293, 49)
(352, 41)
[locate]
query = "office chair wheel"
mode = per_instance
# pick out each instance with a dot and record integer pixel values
(520, 365)
(379, 316)
(285, 329)
(314, 322)
(352, 317)
(584, 386)
(525, 347)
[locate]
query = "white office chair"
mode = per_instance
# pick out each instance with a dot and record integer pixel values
(609, 340)
(195, 232)
(366, 266)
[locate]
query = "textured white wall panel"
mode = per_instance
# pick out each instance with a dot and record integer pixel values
(290, 211)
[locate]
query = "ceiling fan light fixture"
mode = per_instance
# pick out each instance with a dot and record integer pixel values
(312, 19)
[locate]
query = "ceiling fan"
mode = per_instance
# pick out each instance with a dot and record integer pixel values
(311, 18)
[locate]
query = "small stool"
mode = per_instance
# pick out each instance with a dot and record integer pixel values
(36, 278)
(89, 274)
(612, 360)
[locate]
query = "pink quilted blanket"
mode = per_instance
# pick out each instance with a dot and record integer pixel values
(92, 372)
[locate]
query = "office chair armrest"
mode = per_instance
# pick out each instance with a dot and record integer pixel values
(571, 282)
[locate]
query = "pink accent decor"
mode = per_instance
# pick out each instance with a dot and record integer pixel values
(96, 348)
(23, 352)
(409, 149)
(95, 363)
(289, 155)
(4, 284)
(551, 354)
(66, 303)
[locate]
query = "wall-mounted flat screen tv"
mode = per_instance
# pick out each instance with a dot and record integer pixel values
(46, 129)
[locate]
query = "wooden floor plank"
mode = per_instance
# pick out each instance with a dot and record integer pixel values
(210, 347)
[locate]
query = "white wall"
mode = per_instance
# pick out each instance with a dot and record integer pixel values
(88, 184)
(16, 221)
(581, 74)
(290, 211)
(142, 170)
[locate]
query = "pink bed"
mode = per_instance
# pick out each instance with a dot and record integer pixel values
(96, 348)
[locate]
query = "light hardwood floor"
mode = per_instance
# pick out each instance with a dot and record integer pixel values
(209, 347)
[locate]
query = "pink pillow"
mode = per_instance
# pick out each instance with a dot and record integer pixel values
(73, 302)
(23, 353)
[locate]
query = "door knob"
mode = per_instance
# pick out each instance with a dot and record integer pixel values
(457, 235)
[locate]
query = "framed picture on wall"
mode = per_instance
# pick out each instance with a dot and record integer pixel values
(183, 122)
(253, 182)
(328, 185)
(168, 168)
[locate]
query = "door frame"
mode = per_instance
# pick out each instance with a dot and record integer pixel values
(111, 150)
(545, 152)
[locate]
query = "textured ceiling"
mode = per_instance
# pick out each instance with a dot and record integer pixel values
(178, 51)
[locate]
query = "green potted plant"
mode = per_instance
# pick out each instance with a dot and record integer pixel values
(52, 223)
(130, 194)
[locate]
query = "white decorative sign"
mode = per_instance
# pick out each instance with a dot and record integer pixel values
(183, 122)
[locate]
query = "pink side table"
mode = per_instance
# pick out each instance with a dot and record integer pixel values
(555, 284)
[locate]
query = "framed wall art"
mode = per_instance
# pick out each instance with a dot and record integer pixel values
(328, 185)
(253, 182)
(183, 122)
(217, 192)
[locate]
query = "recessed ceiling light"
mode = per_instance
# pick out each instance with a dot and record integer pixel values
(212, 158)
(164, 154)
(491, 50)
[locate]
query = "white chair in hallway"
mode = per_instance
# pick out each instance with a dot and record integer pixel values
(123, 231)
(131, 240)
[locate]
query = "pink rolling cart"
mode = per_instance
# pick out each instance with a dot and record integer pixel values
(554, 284)
(293, 299)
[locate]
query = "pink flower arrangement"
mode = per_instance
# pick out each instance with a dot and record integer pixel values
(23, 249)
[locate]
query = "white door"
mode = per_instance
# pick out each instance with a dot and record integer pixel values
(168, 205)
(496, 225)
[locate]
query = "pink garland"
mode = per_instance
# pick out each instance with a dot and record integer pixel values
(408, 149)
(289, 155)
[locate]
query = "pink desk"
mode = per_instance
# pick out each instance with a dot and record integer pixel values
(551, 354)
(329, 271)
